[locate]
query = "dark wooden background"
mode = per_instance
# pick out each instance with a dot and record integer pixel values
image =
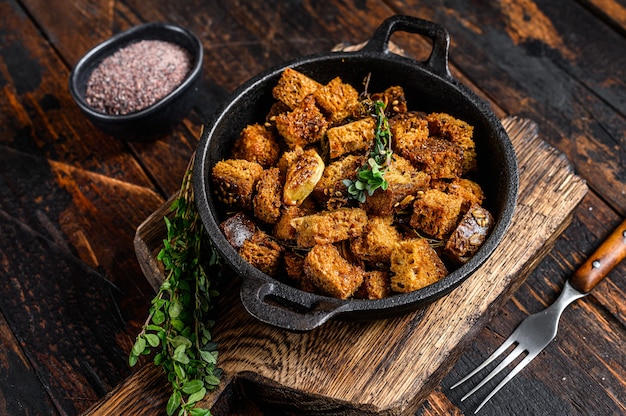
(72, 294)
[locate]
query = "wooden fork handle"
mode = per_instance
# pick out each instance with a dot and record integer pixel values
(602, 261)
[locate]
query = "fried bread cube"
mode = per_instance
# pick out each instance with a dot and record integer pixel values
(302, 126)
(262, 252)
(337, 99)
(283, 230)
(238, 228)
(470, 235)
(408, 131)
(235, 182)
(377, 240)
(436, 213)
(376, 284)
(414, 265)
(293, 86)
(404, 182)
(439, 158)
(456, 131)
(256, 144)
(357, 136)
(330, 273)
(470, 191)
(267, 200)
(394, 99)
(329, 226)
(330, 190)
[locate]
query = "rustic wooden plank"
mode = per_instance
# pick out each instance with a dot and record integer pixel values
(293, 369)
(611, 11)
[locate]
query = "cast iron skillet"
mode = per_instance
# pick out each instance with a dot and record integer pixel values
(428, 87)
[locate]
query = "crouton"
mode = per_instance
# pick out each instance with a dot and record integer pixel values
(414, 265)
(238, 228)
(302, 126)
(330, 190)
(256, 144)
(409, 130)
(394, 99)
(302, 175)
(330, 273)
(439, 158)
(267, 200)
(294, 266)
(470, 191)
(235, 181)
(376, 285)
(329, 226)
(262, 252)
(293, 86)
(404, 182)
(457, 132)
(377, 240)
(283, 230)
(337, 99)
(436, 213)
(470, 235)
(357, 136)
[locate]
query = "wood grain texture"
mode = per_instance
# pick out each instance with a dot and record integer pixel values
(349, 368)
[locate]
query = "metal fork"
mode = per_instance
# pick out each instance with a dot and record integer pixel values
(538, 330)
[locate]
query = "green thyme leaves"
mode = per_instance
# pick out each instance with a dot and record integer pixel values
(178, 328)
(371, 176)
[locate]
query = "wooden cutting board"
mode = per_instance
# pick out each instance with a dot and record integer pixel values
(386, 367)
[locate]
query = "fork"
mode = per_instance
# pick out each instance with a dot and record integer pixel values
(539, 329)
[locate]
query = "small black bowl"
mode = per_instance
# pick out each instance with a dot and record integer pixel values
(157, 119)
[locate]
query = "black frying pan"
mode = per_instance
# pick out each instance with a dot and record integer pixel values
(429, 87)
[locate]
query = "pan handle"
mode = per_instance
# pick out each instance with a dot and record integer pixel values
(437, 62)
(286, 307)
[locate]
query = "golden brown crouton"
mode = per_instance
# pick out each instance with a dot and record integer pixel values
(414, 265)
(262, 252)
(256, 144)
(302, 175)
(283, 230)
(376, 284)
(394, 99)
(377, 240)
(302, 126)
(337, 99)
(235, 181)
(330, 190)
(351, 137)
(404, 183)
(408, 130)
(267, 200)
(436, 213)
(330, 273)
(293, 86)
(439, 158)
(470, 235)
(470, 191)
(294, 266)
(456, 131)
(329, 226)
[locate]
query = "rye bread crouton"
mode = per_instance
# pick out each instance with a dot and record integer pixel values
(394, 99)
(337, 100)
(470, 191)
(330, 190)
(256, 144)
(238, 228)
(262, 252)
(414, 265)
(283, 230)
(330, 273)
(303, 125)
(329, 227)
(456, 131)
(235, 181)
(268, 198)
(404, 183)
(293, 86)
(436, 213)
(354, 137)
(377, 240)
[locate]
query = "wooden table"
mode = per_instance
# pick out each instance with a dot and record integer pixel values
(72, 293)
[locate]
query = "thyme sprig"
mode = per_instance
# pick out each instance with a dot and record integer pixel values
(179, 323)
(371, 176)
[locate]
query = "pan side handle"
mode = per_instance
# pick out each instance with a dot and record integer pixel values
(286, 307)
(437, 62)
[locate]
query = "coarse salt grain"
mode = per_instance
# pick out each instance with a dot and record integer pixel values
(137, 76)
